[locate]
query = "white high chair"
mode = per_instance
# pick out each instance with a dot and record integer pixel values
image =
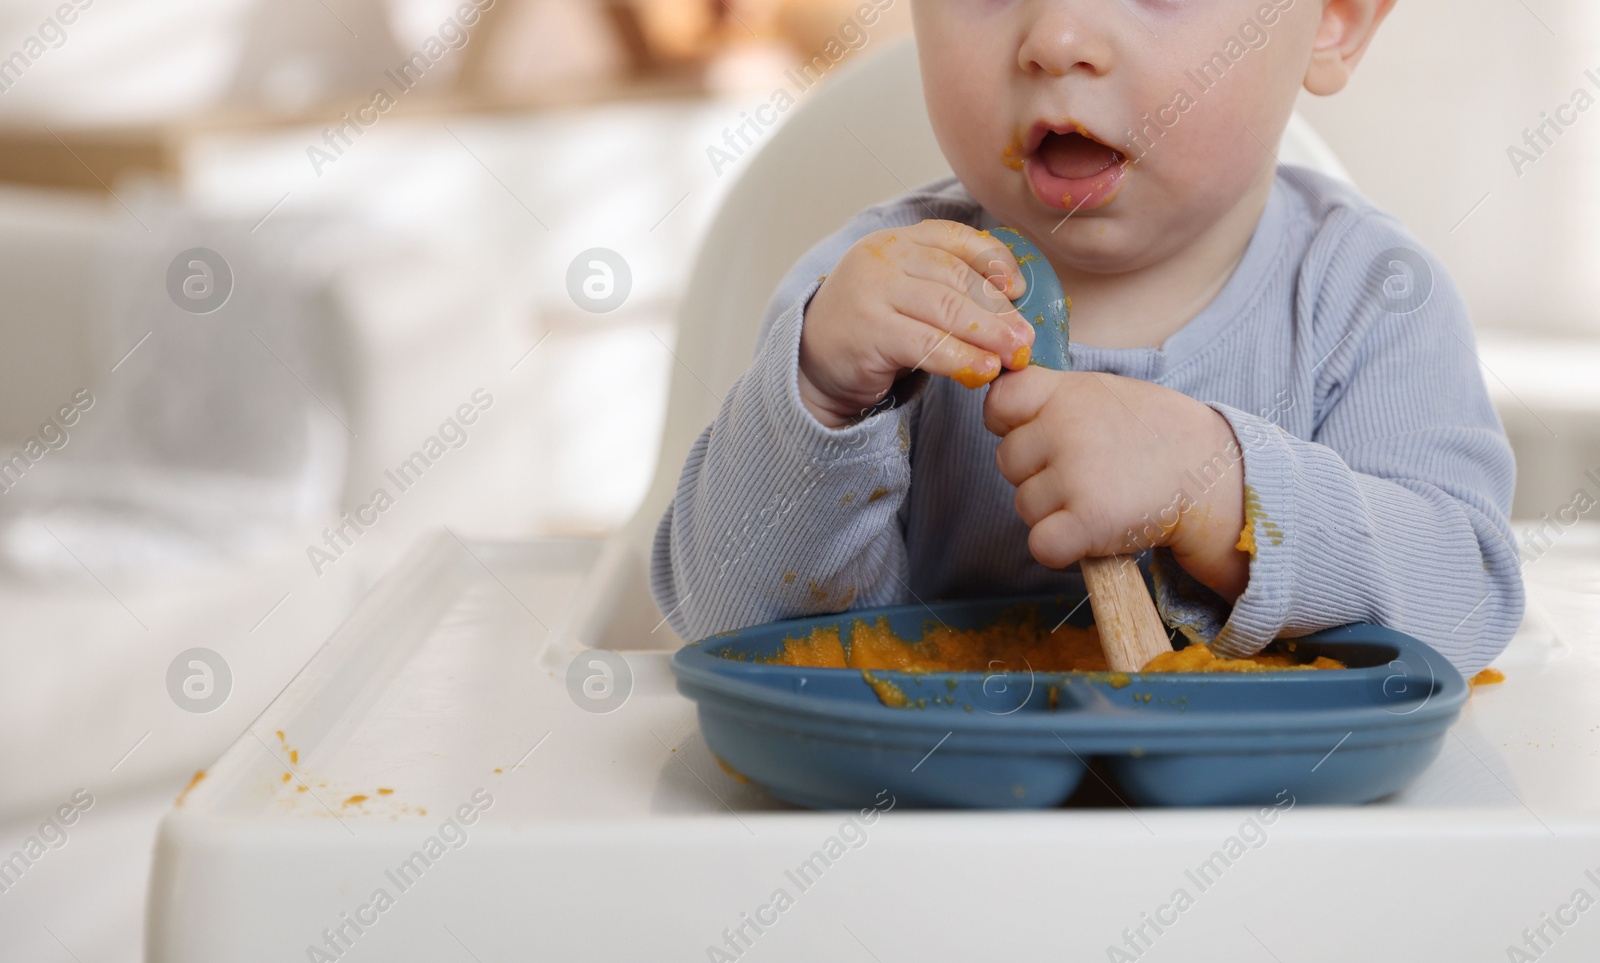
(613, 835)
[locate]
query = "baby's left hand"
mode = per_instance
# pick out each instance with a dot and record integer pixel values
(1103, 464)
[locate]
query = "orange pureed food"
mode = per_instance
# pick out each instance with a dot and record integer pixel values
(1197, 658)
(1016, 642)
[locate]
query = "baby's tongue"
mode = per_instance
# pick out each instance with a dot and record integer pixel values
(1072, 156)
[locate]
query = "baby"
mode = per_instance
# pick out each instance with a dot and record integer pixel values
(1275, 400)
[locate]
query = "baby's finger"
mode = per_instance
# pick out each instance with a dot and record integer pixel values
(953, 311)
(1022, 454)
(986, 254)
(1018, 398)
(1059, 540)
(937, 264)
(914, 344)
(1037, 498)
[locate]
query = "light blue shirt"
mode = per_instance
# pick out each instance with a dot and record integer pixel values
(1378, 473)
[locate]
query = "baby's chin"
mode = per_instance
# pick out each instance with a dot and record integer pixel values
(1106, 246)
(1147, 218)
(1113, 238)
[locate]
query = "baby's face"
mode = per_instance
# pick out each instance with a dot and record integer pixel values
(1148, 120)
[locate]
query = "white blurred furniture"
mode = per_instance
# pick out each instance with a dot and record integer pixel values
(615, 836)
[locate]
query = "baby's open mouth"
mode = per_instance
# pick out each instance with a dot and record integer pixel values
(1073, 156)
(1068, 169)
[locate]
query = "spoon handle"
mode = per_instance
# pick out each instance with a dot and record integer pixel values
(1131, 632)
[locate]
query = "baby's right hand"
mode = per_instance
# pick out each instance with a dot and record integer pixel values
(935, 296)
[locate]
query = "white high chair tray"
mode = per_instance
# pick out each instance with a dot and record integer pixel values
(616, 836)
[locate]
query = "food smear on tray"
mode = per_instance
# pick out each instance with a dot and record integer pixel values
(1016, 642)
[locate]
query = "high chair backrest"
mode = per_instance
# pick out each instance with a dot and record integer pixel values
(861, 137)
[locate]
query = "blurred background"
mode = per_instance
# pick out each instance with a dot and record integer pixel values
(254, 255)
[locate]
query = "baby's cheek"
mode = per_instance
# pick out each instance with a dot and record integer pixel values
(1220, 143)
(982, 147)
(969, 60)
(1211, 149)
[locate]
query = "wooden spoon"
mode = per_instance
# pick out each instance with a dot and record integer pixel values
(1131, 632)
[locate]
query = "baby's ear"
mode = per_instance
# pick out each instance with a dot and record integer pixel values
(1342, 37)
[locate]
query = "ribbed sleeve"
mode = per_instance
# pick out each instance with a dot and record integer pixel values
(1378, 477)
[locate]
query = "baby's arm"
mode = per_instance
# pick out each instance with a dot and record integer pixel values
(1396, 511)
(780, 514)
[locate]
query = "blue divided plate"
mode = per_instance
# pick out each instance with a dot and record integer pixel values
(821, 738)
